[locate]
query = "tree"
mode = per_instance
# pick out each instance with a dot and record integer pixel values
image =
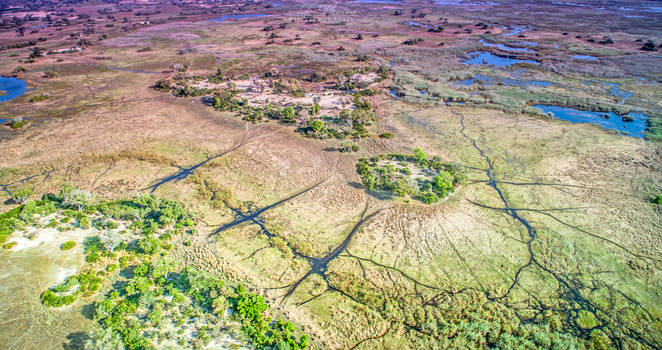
(72, 197)
(289, 114)
(162, 266)
(315, 110)
(23, 196)
(649, 46)
(36, 52)
(420, 155)
(110, 239)
(104, 339)
(443, 183)
(317, 125)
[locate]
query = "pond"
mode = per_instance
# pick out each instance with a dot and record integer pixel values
(226, 17)
(515, 30)
(12, 88)
(375, 2)
(584, 57)
(488, 58)
(504, 47)
(634, 128)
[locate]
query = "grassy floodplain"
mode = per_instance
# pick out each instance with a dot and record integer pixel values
(251, 173)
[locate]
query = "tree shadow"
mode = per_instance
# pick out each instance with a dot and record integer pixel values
(377, 194)
(207, 100)
(88, 311)
(76, 341)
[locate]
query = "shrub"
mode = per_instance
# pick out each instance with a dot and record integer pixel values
(412, 41)
(17, 124)
(658, 199)
(386, 135)
(649, 46)
(9, 245)
(50, 74)
(67, 245)
(39, 98)
(23, 196)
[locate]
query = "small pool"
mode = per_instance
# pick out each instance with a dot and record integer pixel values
(394, 94)
(12, 88)
(515, 31)
(504, 47)
(226, 17)
(634, 128)
(488, 58)
(584, 57)
(375, 2)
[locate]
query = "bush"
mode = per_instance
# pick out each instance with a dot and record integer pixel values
(23, 196)
(9, 245)
(412, 41)
(386, 135)
(649, 46)
(17, 124)
(39, 98)
(68, 245)
(658, 200)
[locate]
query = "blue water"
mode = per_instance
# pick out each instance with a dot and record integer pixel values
(504, 47)
(394, 94)
(617, 92)
(515, 30)
(528, 43)
(634, 128)
(375, 1)
(12, 87)
(487, 58)
(585, 57)
(447, 2)
(223, 18)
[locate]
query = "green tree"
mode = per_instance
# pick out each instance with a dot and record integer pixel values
(317, 125)
(289, 115)
(104, 339)
(72, 197)
(162, 266)
(23, 196)
(443, 183)
(649, 46)
(420, 155)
